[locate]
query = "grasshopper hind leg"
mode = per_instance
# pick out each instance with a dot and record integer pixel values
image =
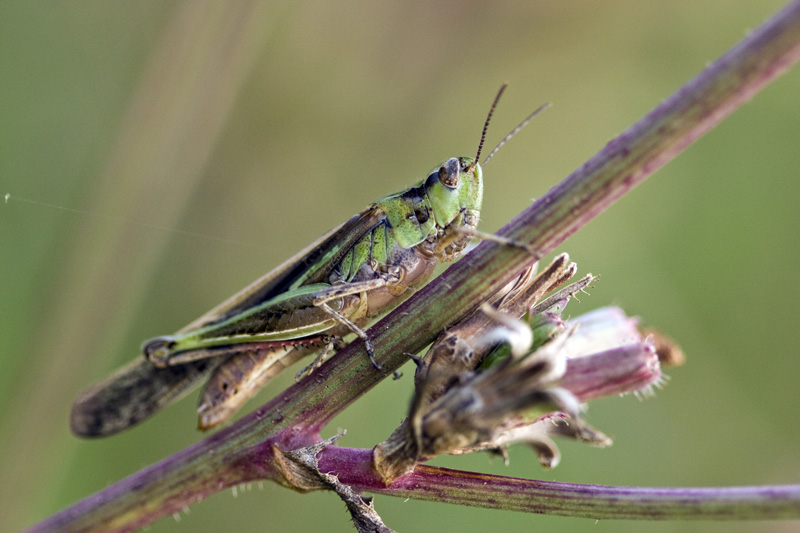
(242, 375)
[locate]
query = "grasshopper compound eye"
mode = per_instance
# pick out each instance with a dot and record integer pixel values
(450, 173)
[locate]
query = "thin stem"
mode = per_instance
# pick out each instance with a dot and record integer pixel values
(244, 451)
(599, 501)
(567, 499)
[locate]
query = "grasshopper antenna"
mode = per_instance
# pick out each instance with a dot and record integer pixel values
(486, 126)
(514, 131)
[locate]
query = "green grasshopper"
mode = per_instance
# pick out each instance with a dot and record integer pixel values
(331, 288)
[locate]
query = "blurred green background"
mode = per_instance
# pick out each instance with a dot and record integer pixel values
(253, 128)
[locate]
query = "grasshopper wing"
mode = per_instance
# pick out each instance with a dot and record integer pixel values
(132, 394)
(138, 390)
(312, 264)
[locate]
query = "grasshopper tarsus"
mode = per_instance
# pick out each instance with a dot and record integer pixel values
(371, 354)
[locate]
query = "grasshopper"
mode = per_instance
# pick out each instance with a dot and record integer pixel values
(333, 287)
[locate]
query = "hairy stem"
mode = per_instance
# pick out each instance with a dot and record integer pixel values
(243, 451)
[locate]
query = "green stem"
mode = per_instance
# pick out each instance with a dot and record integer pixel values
(243, 452)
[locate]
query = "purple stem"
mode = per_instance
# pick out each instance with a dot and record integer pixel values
(566, 499)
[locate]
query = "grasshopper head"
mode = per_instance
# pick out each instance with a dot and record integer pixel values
(453, 188)
(454, 191)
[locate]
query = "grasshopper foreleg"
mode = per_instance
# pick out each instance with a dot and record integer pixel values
(484, 236)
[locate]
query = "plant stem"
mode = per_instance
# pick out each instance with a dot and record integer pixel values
(598, 501)
(244, 451)
(568, 499)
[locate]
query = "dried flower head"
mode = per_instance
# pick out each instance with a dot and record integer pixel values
(516, 371)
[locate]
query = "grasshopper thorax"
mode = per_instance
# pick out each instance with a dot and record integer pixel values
(452, 191)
